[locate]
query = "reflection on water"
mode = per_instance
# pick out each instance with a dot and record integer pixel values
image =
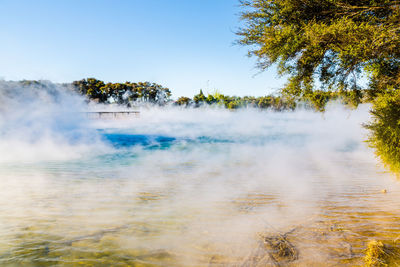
(169, 198)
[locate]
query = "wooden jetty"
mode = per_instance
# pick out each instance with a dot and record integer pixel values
(112, 114)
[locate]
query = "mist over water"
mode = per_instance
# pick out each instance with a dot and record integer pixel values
(42, 121)
(185, 187)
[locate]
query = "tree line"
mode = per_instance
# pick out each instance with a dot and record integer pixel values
(121, 93)
(317, 100)
(131, 93)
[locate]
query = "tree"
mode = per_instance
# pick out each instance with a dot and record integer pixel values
(199, 98)
(385, 130)
(211, 99)
(183, 101)
(122, 93)
(328, 45)
(334, 41)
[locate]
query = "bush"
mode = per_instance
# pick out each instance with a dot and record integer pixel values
(385, 129)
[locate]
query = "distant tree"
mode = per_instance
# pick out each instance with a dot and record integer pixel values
(122, 93)
(199, 98)
(233, 105)
(183, 101)
(211, 99)
(92, 88)
(265, 102)
(219, 98)
(250, 101)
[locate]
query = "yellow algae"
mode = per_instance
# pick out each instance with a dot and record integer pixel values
(382, 254)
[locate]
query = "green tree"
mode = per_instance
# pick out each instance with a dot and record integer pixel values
(333, 41)
(199, 98)
(211, 99)
(265, 102)
(329, 45)
(122, 93)
(385, 129)
(94, 89)
(183, 101)
(318, 99)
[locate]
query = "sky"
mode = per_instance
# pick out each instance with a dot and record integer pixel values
(185, 45)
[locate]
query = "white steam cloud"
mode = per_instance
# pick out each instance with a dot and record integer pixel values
(199, 185)
(42, 121)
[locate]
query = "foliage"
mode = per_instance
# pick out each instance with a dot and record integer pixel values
(276, 103)
(382, 254)
(319, 98)
(385, 129)
(122, 93)
(129, 93)
(326, 47)
(325, 44)
(183, 101)
(199, 98)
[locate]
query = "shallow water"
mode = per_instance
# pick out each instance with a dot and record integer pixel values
(199, 188)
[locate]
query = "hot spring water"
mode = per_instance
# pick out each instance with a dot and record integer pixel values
(182, 187)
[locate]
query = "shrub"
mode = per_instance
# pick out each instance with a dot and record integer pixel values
(385, 129)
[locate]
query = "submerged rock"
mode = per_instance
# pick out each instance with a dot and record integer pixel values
(273, 250)
(281, 249)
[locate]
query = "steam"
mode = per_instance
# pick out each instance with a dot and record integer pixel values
(179, 179)
(41, 121)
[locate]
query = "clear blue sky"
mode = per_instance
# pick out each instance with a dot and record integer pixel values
(182, 44)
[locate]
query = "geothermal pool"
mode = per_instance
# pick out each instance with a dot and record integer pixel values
(201, 187)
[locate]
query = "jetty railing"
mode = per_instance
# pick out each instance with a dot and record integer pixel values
(112, 114)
